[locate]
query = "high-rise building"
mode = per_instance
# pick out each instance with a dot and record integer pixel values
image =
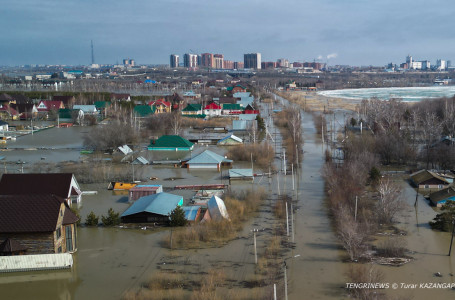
(174, 63)
(190, 60)
(207, 60)
(238, 65)
(252, 61)
(283, 63)
(218, 60)
(441, 64)
(127, 62)
(228, 64)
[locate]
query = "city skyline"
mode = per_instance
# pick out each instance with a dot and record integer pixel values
(350, 32)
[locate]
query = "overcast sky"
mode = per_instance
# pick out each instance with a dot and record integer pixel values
(355, 32)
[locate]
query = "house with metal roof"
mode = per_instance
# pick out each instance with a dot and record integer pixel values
(87, 109)
(63, 185)
(208, 160)
(192, 213)
(171, 143)
(142, 111)
(231, 109)
(36, 224)
(192, 109)
(443, 196)
(153, 208)
(428, 180)
(212, 109)
(142, 190)
(241, 174)
(230, 140)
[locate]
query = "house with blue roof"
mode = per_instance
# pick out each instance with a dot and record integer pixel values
(152, 209)
(208, 160)
(192, 213)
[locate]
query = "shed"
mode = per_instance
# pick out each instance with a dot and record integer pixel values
(208, 160)
(125, 149)
(441, 197)
(192, 213)
(142, 190)
(171, 143)
(153, 208)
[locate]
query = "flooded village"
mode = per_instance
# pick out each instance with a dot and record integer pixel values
(224, 189)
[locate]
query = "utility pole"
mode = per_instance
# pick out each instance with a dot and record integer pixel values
(284, 161)
(292, 171)
(285, 282)
(255, 249)
(292, 223)
(287, 219)
(355, 214)
(451, 240)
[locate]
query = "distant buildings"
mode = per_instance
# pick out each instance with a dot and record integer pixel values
(174, 61)
(252, 61)
(207, 60)
(411, 64)
(190, 60)
(127, 62)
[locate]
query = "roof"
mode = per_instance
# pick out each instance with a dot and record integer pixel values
(23, 107)
(146, 187)
(231, 136)
(424, 175)
(160, 102)
(212, 105)
(144, 110)
(240, 173)
(85, 108)
(193, 107)
(39, 184)
(160, 204)
(442, 194)
(125, 149)
(102, 104)
(52, 105)
(5, 97)
(21, 99)
(31, 213)
(191, 212)
(217, 209)
(232, 106)
(11, 246)
(172, 141)
(248, 117)
(208, 157)
(140, 160)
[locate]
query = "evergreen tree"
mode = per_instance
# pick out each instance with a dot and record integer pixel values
(177, 217)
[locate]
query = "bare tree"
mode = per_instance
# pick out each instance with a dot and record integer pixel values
(390, 202)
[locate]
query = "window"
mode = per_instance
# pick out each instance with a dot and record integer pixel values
(427, 186)
(59, 250)
(59, 232)
(69, 239)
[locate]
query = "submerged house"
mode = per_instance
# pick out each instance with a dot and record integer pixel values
(154, 208)
(208, 160)
(428, 180)
(142, 190)
(230, 140)
(63, 185)
(36, 224)
(171, 143)
(443, 196)
(241, 174)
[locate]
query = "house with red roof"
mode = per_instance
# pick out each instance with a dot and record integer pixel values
(212, 109)
(250, 110)
(161, 106)
(50, 105)
(7, 112)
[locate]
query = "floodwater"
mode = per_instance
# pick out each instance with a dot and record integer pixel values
(111, 261)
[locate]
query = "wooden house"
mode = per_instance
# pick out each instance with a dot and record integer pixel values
(36, 224)
(443, 196)
(427, 180)
(152, 209)
(192, 109)
(63, 185)
(142, 190)
(160, 106)
(47, 106)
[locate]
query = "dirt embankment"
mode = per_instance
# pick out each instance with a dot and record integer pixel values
(311, 101)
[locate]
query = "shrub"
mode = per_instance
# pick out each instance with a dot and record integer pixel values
(92, 219)
(112, 218)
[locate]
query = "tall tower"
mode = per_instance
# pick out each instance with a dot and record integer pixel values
(93, 55)
(252, 61)
(174, 61)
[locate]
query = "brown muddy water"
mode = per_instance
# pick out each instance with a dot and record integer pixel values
(112, 261)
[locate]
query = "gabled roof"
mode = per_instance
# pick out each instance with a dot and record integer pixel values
(58, 184)
(8, 109)
(5, 97)
(144, 110)
(102, 104)
(85, 108)
(24, 107)
(231, 136)
(208, 157)
(31, 213)
(424, 175)
(172, 141)
(217, 209)
(193, 107)
(240, 173)
(212, 105)
(249, 107)
(442, 195)
(191, 212)
(161, 204)
(52, 105)
(21, 99)
(160, 102)
(231, 106)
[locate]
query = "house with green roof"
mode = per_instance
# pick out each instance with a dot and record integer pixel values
(171, 143)
(192, 109)
(231, 109)
(102, 105)
(143, 111)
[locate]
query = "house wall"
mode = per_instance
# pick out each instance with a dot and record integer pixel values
(145, 217)
(36, 243)
(203, 166)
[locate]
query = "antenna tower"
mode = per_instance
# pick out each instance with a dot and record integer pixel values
(93, 56)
